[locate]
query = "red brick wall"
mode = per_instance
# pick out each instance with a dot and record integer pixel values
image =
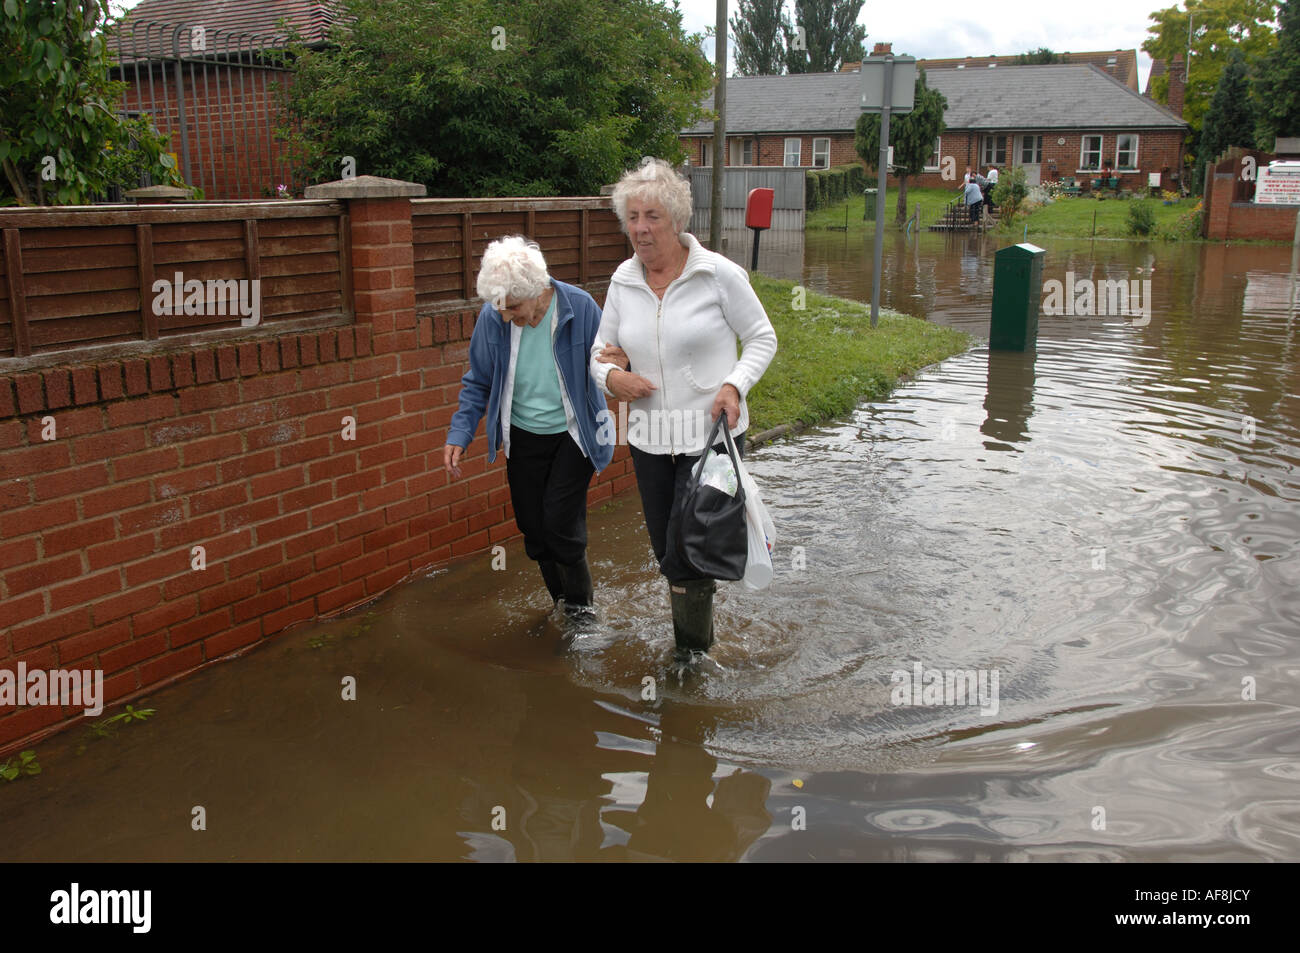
(1226, 219)
(1157, 152)
(771, 149)
(238, 447)
(233, 153)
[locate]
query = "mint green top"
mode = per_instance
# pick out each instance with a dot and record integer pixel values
(536, 405)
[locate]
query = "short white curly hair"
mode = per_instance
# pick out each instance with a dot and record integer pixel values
(654, 180)
(513, 267)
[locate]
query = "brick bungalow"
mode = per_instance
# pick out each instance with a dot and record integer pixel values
(1059, 121)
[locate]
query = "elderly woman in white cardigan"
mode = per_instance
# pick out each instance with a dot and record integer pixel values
(673, 317)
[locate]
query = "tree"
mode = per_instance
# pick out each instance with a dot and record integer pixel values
(760, 29)
(912, 136)
(1218, 27)
(825, 37)
(483, 97)
(1230, 120)
(1038, 57)
(61, 140)
(1277, 80)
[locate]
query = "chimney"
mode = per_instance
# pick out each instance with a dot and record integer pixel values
(1176, 86)
(880, 49)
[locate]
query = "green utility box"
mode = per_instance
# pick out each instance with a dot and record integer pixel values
(1017, 289)
(869, 212)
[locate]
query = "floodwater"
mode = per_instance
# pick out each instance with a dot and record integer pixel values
(1104, 533)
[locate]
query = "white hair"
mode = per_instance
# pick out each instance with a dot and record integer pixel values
(655, 181)
(513, 267)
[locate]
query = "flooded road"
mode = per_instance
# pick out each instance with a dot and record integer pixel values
(1104, 534)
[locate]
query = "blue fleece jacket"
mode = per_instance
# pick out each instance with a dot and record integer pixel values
(577, 323)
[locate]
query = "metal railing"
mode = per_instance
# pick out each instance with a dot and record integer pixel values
(220, 116)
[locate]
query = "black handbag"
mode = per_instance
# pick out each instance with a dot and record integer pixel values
(711, 534)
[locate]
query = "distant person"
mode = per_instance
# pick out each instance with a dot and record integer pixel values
(974, 201)
(528, 373)
(993, 183)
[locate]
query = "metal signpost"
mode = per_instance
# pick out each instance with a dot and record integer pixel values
(888, 86)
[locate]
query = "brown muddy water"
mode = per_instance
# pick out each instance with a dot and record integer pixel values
(1110, 526)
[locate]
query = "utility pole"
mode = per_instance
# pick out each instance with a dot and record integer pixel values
(719, 128)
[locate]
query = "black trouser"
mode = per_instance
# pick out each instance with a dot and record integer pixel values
(975, 209)
(548, 478)
(662, 480)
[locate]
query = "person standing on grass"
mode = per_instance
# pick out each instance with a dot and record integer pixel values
(528, 373)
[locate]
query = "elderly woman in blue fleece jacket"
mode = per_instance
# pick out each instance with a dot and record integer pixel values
(528, 371)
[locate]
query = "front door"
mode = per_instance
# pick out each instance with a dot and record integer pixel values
(1029, 153)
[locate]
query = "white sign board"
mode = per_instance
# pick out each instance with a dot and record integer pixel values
(1278, 184)
(873, 84)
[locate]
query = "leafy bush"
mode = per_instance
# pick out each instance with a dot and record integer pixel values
(1010, 190)
(1188, 225)
(1141, 218)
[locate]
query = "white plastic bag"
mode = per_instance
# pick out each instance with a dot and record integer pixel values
(718, 473)
(762, 535)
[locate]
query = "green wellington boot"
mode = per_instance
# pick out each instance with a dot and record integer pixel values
(554, 581)
(693, 614)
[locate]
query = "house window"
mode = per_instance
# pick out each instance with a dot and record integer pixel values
(1031, 150)
(932, 164)
(749, 152)
(706, 153)
(995, 151)
(821, 153)
(1126, 151)
(793, 147)
(1090, 154)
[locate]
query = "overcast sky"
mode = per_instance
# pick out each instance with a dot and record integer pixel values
(955, 28)
(942, 28)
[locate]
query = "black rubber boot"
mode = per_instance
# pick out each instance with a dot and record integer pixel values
(554, 581)
(692, 614)
(578, 590)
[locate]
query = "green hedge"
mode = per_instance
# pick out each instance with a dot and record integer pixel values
(824, 187)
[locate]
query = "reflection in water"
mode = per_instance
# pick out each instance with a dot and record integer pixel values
(1009, 398)
(1111, 523)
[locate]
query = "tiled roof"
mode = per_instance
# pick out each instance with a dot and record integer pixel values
(1123, 68)
(311, 18)
(1056, 96)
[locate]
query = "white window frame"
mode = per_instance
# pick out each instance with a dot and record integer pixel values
(1119, 166)
(706, 154)
(798, 153)
(825, 153)
(936, 160)
(990, 152)
(1084, 151)
(748, 150)
(1036, 149)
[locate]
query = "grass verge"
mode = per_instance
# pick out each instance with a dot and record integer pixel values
(828, 358)
(1066, 217)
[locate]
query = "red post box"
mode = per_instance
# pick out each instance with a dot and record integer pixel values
(758, 208)
(758, 216)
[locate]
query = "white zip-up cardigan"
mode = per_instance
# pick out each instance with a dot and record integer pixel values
(686, 344)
